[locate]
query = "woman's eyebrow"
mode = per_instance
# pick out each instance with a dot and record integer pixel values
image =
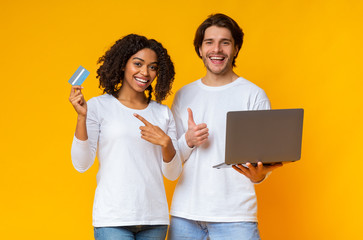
(143, 60)
(139, 59)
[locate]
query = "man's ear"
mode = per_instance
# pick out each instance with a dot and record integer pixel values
(200, 52)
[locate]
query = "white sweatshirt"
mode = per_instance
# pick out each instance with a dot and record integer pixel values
(130, 188)
(204, 193)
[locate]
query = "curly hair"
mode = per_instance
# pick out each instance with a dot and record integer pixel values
(111, 72)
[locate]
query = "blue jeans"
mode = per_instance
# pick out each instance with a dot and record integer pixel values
(182, 229)
(142, 232)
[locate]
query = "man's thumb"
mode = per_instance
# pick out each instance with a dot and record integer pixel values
(190, 118)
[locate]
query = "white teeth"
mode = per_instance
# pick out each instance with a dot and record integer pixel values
(216, 58)
(141, 80)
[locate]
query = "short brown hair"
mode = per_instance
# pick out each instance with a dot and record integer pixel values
(219, 20)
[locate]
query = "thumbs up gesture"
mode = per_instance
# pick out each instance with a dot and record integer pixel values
(196, 135)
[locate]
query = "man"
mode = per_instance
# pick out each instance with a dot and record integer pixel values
(208, 202)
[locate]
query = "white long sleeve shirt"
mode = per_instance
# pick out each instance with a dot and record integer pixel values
(130, 188)
(204, 193)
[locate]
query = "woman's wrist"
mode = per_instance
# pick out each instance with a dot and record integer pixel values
(81, 118)
(168, 150)
(167, 142)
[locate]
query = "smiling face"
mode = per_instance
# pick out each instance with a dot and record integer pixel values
(218, 50)
(140, 70)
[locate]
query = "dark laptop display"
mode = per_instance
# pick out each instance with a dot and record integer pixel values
(268, 136)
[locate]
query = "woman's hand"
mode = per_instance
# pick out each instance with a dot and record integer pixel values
(77, 100)
(80, 105)
(156, 135)
(152, 133)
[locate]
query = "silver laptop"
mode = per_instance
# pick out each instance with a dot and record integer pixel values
(268, 136)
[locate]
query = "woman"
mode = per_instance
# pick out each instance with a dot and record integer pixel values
(130, 200)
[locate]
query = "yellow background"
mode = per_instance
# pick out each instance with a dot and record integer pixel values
(302, 53)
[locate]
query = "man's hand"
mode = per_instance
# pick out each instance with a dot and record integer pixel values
(196, 135)
(258, 173)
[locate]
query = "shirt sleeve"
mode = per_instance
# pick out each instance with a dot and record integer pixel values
(83, 153)
(262, 103)
(172, 169)
(184, 149)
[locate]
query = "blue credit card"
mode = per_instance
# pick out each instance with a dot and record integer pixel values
(79, 76)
